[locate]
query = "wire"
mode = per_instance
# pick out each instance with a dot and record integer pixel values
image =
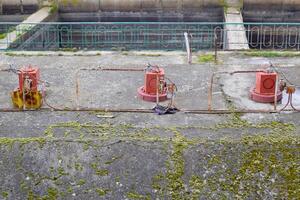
(282, 74)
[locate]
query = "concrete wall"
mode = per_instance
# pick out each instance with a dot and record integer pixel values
(146, 5)
(278, 4)
(271, 10)
(192, 10)
(134, 5)
(141, 10)
(19, 6)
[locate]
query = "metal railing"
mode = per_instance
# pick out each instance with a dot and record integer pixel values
(144, 35)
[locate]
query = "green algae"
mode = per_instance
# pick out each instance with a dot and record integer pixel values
(4, 194)
(102, 192)
(112, 160)
(274, 153)
(99, 172)
(81, 182)
(196, 184)
(6, 141)
(135, 196)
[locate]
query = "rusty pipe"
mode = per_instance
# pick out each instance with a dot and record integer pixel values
(123, 69)
(276, 92)
(3, 110)
(245, 71)
(113, 69)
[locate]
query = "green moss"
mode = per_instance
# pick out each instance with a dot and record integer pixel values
(81, 182)
(53, 194)
(205, 58)
(136, 196)
(86, 145)
(247, 161)
(102, 172)
(175, 166)
(31, 196)
(196, 185)
(69, 49)
(99, 172)
(236, 122)
(271, 54)
(102, 192)
(23, 186)
(61, 172)
(2, 36)
(175, 172)
(113, 159)
(224, 4)
(70, 190)
(214, 160)
(5, 141)
(78, 167)
(4, 194)
(54, 8)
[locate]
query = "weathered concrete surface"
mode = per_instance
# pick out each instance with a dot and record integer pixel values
(43, 15)
(75, 155)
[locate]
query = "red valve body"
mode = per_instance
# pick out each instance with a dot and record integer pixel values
(264, 90)
(32, 73)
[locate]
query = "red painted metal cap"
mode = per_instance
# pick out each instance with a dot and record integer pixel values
(150, 97)
(264, 98)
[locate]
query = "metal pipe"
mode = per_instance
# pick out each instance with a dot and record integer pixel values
(216, 48)
(3, 110)
(157, 89)
(123, 69)
(276, 92)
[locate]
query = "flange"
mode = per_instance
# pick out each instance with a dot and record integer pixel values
(151, 97)
(264, 98)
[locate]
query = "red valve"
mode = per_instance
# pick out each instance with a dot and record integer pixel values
(264, 90)
(29, 78)
(27, 95)
(154, 82)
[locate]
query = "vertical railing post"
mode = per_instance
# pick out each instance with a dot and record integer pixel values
(188, 48)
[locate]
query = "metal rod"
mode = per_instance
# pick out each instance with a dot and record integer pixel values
(3, 110)
(77, 88)
(188, 48)
(216, 47)
(276, 92)
(157, 89)
(123, 69)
